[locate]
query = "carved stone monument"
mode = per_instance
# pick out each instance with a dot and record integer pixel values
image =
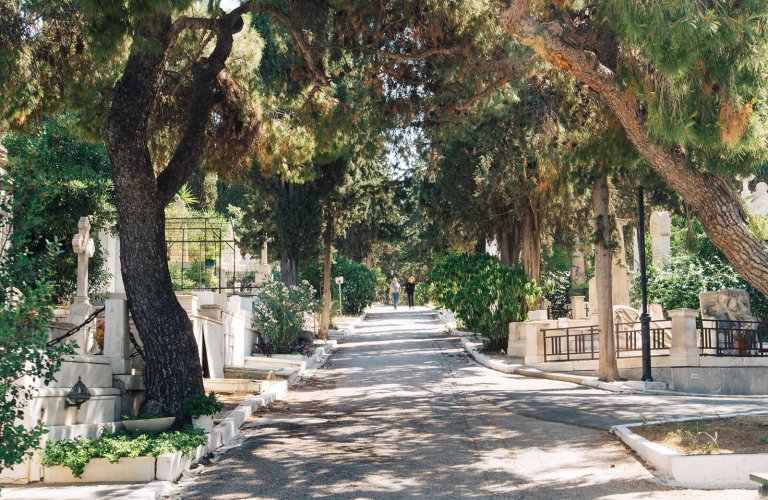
(661, 228)
(83, 246)
(730, 304)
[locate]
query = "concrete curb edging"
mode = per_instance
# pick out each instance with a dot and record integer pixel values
(517, 369)
(694, 471)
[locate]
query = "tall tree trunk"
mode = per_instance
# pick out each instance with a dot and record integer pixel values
(325, 318)
(530, 255)
(289, 267)
(510, 241)
(713, 199)
(608, 371)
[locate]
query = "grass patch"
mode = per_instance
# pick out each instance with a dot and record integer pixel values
(710, 436)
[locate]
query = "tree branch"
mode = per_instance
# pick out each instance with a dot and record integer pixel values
(314, 63)
(421, 55)
(721, 212)
(187, 154)
(196, 23)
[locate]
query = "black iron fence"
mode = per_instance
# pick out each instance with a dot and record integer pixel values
(629, 340)
(570, 344)
(583, 342)
(733, 338)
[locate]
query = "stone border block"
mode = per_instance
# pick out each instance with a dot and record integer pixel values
(694, 471)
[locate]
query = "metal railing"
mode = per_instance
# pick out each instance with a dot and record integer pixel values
(554, 313)
(567, 344)
(629, 339)
(76, 329)
(733, 338)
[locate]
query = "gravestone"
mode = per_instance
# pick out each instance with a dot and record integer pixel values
(730, 304)
(621, 273)
(578, 268)
(262, 269)
(660, 233)
(758, 201)
(110, 247)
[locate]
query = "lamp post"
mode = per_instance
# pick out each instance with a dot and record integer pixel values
(645, 318)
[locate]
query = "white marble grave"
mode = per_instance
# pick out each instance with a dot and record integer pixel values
(661, 229)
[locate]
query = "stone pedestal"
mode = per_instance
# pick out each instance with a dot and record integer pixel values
(684, 350)
(117, 345)
(577, 307)
(517, 343)
(534, 341)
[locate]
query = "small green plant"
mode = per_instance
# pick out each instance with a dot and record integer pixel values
(278, 313)
(763, 439)
(76, 453)
(197, 406)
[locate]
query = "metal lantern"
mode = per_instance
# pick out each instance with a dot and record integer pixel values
(78, 395)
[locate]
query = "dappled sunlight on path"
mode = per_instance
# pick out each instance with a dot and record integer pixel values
(394, 415)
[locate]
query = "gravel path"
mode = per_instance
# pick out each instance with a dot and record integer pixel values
(399, 412)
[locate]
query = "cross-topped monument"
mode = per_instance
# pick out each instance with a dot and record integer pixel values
(83, 246)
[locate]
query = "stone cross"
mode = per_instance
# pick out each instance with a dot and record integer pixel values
(82, 244)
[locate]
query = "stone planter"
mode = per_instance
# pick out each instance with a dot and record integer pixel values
(149, 424)
(203, 421)
(100, 470)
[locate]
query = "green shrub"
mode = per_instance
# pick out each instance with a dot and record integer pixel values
(678, 283)
(278, 312)
(76, 453)
(557, 288)
(421, 295)
(484, 294)
(196, 406)
(358, 290)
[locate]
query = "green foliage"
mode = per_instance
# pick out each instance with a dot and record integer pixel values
(76, 453)
(27, 292)
(422, 294)
(484, 294)
(278, 312)
(557, 288)
(697, 266)
(706, 86)
(202, 404)
(57, 179)
(358, 290)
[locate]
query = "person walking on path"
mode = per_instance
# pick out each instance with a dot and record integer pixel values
(394, 292)
(410, 290)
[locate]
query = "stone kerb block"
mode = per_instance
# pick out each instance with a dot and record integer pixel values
(684, 350)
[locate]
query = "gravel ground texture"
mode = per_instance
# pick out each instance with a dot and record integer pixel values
(400, 412)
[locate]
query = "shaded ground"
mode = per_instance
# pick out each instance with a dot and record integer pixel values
(400, 412)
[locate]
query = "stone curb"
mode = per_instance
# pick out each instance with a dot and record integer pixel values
(518, 369)
(693, 471)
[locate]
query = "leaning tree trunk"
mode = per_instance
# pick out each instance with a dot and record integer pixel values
(172, 364)
(608, 371)
(530, 254)
(722, 213)
(325, 318)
